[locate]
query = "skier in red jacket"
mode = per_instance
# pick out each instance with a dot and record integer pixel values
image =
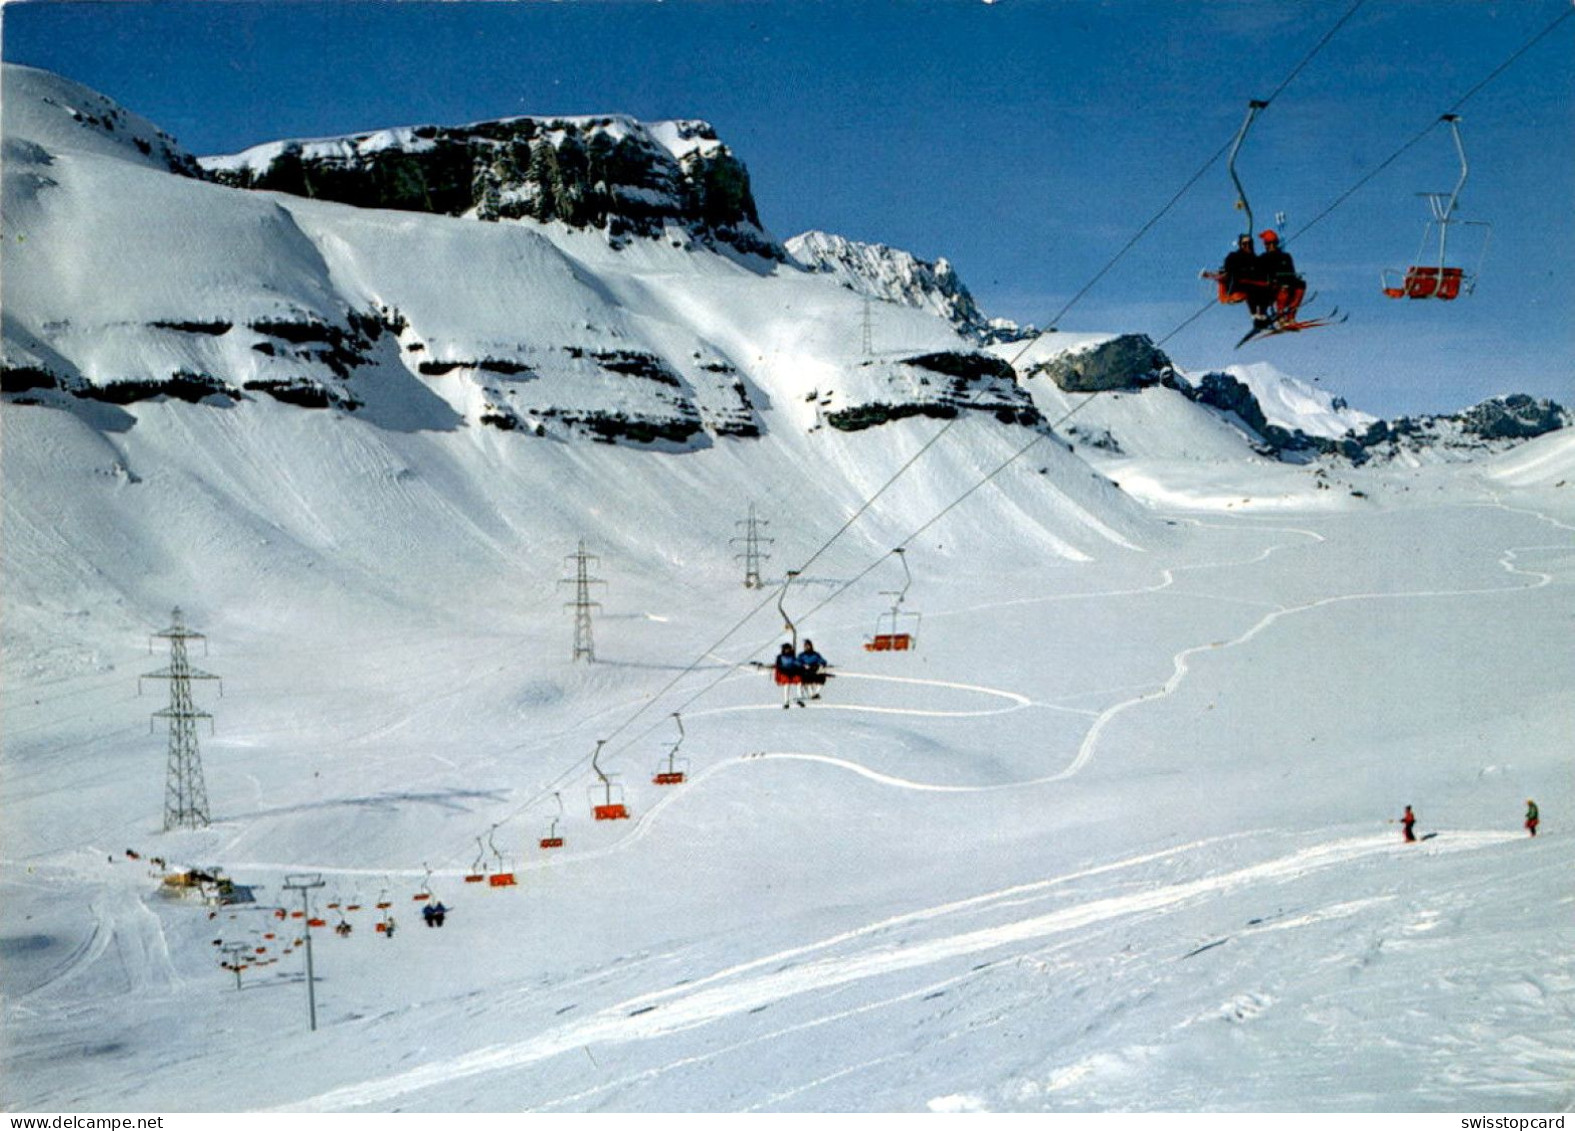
(1408, 824)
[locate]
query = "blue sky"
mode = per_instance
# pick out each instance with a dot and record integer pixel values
(1025, 140)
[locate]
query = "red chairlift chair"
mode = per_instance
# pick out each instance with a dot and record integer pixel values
(889, 636)
(552, 839)
(606, 796)
(1439, 281)
(675, 769)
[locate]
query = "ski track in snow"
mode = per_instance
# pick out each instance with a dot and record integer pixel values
(1180, 662)
(1181, 667)
(748, 987)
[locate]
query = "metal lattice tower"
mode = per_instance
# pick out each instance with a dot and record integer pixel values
(185, 794)
(868, 329)
(752, 555)
(584, 646)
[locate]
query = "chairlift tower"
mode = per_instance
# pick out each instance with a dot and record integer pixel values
(752, 555)
(304, 884)
(584, 645)
(185, 794)
(868, 329)
(233, 952)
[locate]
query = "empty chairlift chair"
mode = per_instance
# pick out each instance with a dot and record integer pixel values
(478, 870)
(502, 873)
(607, 795)
(673, 770)
(552, 838)
(892, 628)
(1439, 280)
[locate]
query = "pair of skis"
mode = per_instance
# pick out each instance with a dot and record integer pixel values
(1280, 325)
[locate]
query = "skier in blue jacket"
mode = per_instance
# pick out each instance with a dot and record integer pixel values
(813, 665)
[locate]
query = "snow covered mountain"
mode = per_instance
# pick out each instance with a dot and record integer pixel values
(129, 282)
(1111, 834)
(893, 275)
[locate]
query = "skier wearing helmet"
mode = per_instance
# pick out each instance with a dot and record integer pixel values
(1241, 280)
(1284, 288)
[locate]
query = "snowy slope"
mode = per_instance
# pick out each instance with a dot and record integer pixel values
(1295, 405)
(1115, 836)
(892, 275)
(1547, 461)
(126, 283)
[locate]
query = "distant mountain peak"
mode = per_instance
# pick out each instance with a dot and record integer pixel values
(893, 275)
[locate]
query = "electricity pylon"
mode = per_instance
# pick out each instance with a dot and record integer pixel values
(752, 555)
(584, 646)
(185, 795)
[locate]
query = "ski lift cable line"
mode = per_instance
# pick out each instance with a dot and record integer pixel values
(901, 471)
(1198, 176)
(1454, 108)
(574, 769)
(1406, 147)
(945, 428)
(1322, 43)
(987, 478)
(913, 535)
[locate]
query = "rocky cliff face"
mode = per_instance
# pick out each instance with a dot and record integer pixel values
(1130, 361)
(892, 275)
(1495, 423)
(614, 174)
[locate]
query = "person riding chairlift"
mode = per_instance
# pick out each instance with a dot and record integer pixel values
(1283, 288)
(812, 664)
(789, 674)
(1238, 276)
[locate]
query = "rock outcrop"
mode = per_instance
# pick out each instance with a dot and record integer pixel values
(1130, 361)
(615, 174)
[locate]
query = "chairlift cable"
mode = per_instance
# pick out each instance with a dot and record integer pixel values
(902, 470)
(1454, 108)
(1406, 147)
(1202, 169)
(1039, 437)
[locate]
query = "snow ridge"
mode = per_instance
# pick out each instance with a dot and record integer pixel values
(892, 275)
